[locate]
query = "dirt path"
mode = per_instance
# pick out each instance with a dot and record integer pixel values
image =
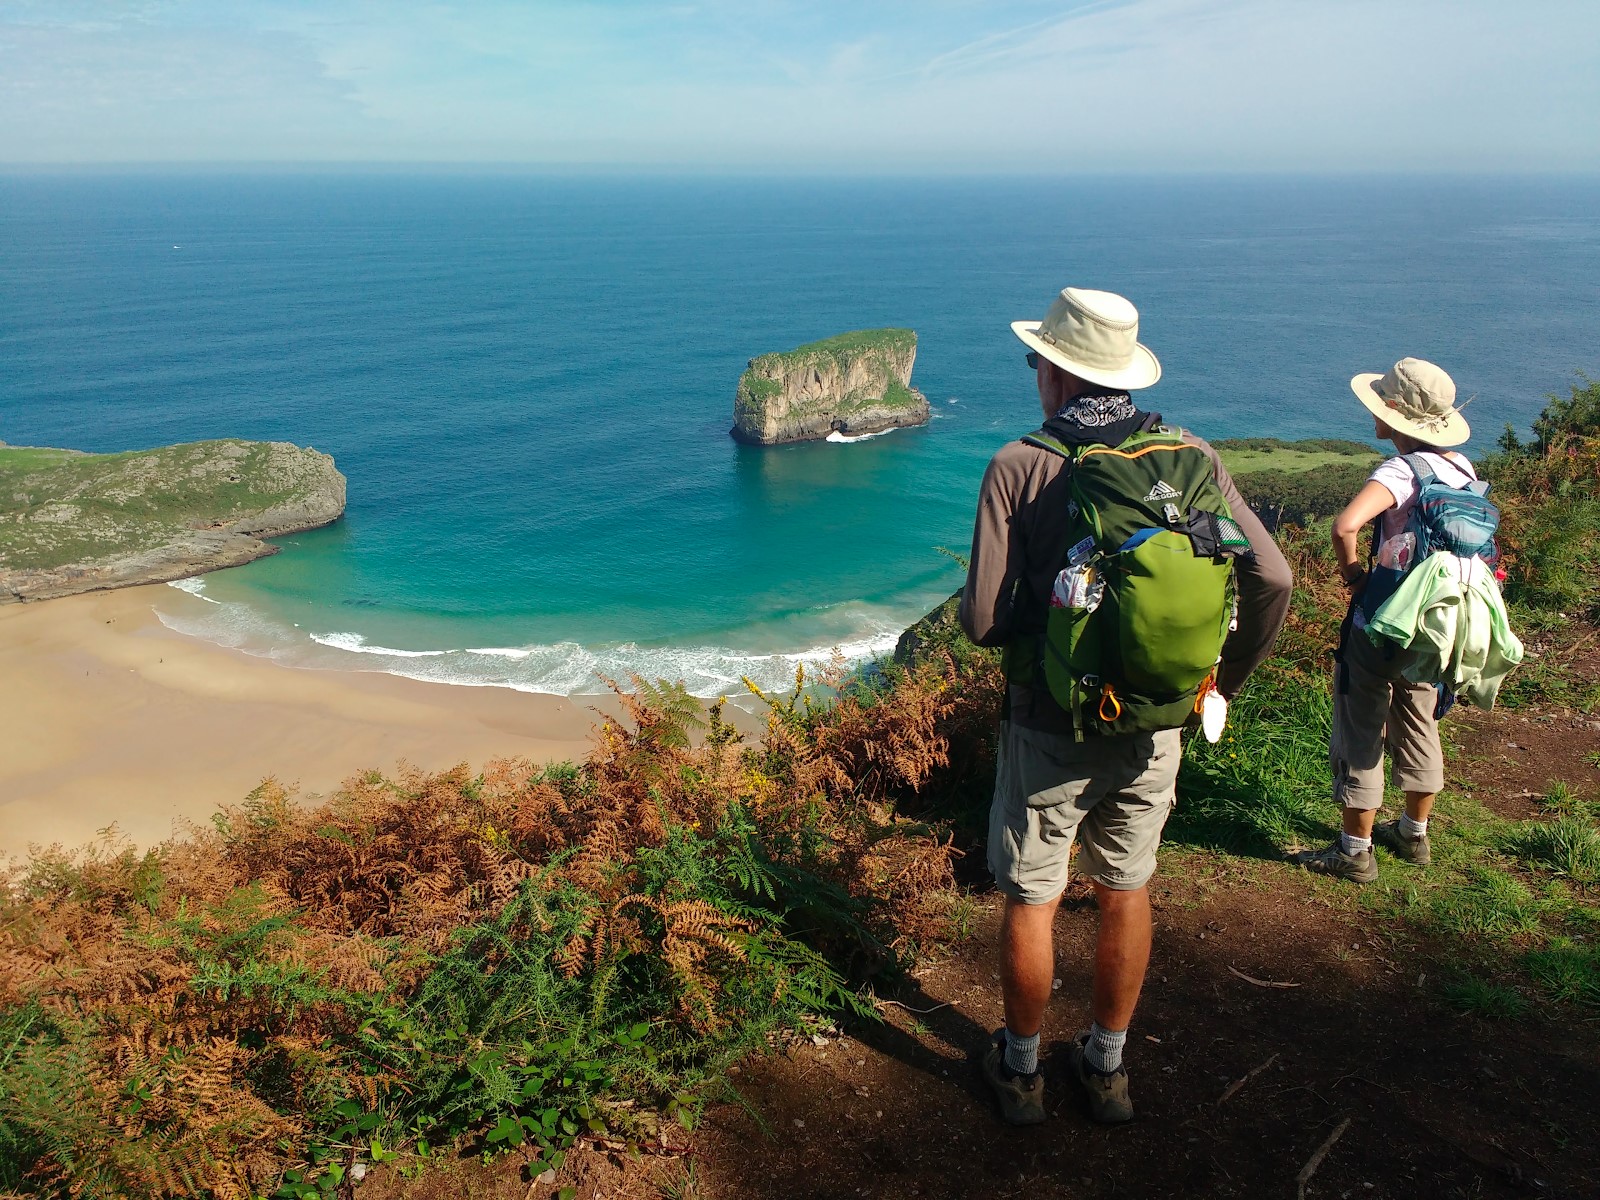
(1439, 1103)
(1436, 1101)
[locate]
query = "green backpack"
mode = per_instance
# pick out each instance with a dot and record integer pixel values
(1140, 609)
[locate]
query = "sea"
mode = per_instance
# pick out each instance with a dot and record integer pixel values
(528, 378)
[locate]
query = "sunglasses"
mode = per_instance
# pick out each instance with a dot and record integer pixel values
(1033, 360)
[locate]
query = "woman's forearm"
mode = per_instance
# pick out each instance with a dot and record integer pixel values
(1347, 548)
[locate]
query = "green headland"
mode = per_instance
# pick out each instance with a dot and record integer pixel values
(75, 522)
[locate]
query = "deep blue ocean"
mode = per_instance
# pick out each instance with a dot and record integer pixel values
(529, 379)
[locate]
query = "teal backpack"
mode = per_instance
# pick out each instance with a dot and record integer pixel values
(1140, 609)
(1460, 521)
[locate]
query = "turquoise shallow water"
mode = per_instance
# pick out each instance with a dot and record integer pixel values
(529, 380)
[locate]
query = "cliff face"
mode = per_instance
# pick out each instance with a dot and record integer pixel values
(73, 522)
(853, 384)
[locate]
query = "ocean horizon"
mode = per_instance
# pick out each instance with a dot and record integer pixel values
(528, 378)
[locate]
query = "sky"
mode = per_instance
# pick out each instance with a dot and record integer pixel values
(811, 86)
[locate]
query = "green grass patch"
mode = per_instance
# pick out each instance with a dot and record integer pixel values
(1483, 902)
(1567, 971)
(1265, 784)
(1568, 846)
(1244, 456)
(849, 345)
(1481, 998)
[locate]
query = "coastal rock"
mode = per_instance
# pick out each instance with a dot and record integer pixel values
(853, 384)
(74, 522)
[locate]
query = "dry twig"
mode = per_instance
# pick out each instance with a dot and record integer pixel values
(1315, 1161)
(919, 1011)
(1266, 983)
(1239, 1083)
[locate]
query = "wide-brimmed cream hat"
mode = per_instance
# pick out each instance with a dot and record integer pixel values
(1415, 398)
(1095, 335)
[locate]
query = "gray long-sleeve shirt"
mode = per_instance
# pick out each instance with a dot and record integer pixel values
(1019, 543)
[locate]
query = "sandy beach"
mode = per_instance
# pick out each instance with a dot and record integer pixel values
(108, 717)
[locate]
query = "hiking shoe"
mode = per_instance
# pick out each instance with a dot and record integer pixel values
(1414, 850)
(1021, 1096)
(1109, 1103)
(1357, 868)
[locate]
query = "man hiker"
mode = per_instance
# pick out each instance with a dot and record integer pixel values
(1375, 703)
(1076, 770)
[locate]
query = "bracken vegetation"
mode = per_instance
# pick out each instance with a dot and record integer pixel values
(499, 960)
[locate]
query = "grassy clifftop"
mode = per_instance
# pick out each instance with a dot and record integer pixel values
(840, 350)
(73, 522)
(1297, 481)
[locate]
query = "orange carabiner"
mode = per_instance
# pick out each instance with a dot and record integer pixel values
(1208, 684)
(1108, 695)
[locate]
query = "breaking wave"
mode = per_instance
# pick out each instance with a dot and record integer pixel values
(561, 668)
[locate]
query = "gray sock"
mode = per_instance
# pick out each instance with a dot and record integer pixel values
(1103, 1052)
(1354, 846)
(1022, 1053)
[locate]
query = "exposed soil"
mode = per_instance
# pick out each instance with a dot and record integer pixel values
(1507, 760)
(1437, 1102)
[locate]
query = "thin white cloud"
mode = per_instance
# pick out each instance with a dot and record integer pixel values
(936, 85)
(1010, 43)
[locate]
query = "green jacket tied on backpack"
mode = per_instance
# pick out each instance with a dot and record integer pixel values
(1449, 613)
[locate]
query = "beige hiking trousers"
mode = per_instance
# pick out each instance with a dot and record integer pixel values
(1376, 708)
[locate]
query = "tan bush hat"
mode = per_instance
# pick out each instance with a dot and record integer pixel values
(1417, 399)
(1095, 335)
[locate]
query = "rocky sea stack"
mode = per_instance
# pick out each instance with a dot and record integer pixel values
(853, 384)
(74, 522)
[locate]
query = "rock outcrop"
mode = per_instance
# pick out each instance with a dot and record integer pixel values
(854, 384)
(74, 522)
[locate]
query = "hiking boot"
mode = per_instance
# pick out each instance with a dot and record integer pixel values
(1109, 1103)
(1021, 1096)
(1414, 850)
(1357, 868)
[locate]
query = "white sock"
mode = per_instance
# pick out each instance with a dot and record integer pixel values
(1022, 1053)
(1103, 1052)
(1413, 829)
(1354, 845)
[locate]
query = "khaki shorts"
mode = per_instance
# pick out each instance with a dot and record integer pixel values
(1114, 793)
(1376, 708)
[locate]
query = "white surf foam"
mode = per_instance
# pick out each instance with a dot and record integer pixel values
(356, 643)
(836, 436)
(561, 668)
(195, 586)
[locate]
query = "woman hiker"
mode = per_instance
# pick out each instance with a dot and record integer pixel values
(1374, 705)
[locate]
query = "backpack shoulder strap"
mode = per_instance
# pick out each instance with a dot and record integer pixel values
(1042, 439)
(1420, 468)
